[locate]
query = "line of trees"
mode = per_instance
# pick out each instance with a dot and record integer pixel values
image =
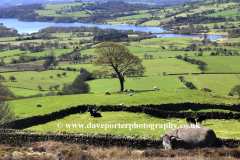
(201, 64)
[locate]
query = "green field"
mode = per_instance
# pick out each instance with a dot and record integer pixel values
(27, 107)
(221, 64)
(233, 13)
(219, 83)
(170, 66)
(223, 129)
(23, 79)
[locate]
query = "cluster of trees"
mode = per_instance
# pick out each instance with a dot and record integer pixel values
(191, 29)
(110, 36)
(79, 86)
(51, 59)
(148, 56)
(178, 21)
(33, 37)
(74, 56)
(22, 12)
(7, 32)
(141, 20)
(125, 14)
(234, 33)
(64, 19)
(220, 51)
(115, 6)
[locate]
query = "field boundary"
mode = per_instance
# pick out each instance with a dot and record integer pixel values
(21, 137)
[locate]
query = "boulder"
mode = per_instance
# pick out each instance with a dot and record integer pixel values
(189, 137)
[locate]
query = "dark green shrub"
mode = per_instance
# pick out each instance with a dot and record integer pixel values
(39, 87)
(51, 94)
(2, 78)
(12, 78)
(230, 94)
(64, 74)
(56, 86)
(190, 85)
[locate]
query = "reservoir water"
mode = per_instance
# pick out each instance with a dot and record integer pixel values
(30, 27)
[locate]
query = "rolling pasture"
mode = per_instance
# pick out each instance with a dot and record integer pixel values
(219, 83)
(163, 51)
(27, 107)
(224, 129)
(221, 64)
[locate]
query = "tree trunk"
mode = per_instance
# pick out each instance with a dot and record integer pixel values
(121, 83)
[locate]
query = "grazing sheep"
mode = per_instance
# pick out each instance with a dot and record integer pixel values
(121, 104)
(176, 90)
(38, 105)
(202, 118)
(131, 94)
(107, 93)
(94, 113)
(131, 90)
(156, 88)
(190, 120)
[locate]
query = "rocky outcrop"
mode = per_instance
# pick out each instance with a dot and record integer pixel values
(189, 137)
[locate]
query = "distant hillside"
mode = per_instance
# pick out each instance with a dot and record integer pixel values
(4, 4)
(172, 2)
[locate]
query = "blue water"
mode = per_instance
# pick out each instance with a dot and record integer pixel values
(30, 27)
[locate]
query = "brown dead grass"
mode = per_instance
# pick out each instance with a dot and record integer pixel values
(49, 150)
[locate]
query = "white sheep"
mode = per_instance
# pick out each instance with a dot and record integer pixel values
(179, 90)
(130, 94)
(125, 90)
(156, 88)
(38, 105)
(121, 104)
(176, 90)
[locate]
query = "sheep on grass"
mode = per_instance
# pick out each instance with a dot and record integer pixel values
(94, 113)
(38, 105)
(107, 93)
(131, 94)
(156, 88)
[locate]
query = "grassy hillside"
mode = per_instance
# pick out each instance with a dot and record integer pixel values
(27, 107)
(223, 129)
(219, 83)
